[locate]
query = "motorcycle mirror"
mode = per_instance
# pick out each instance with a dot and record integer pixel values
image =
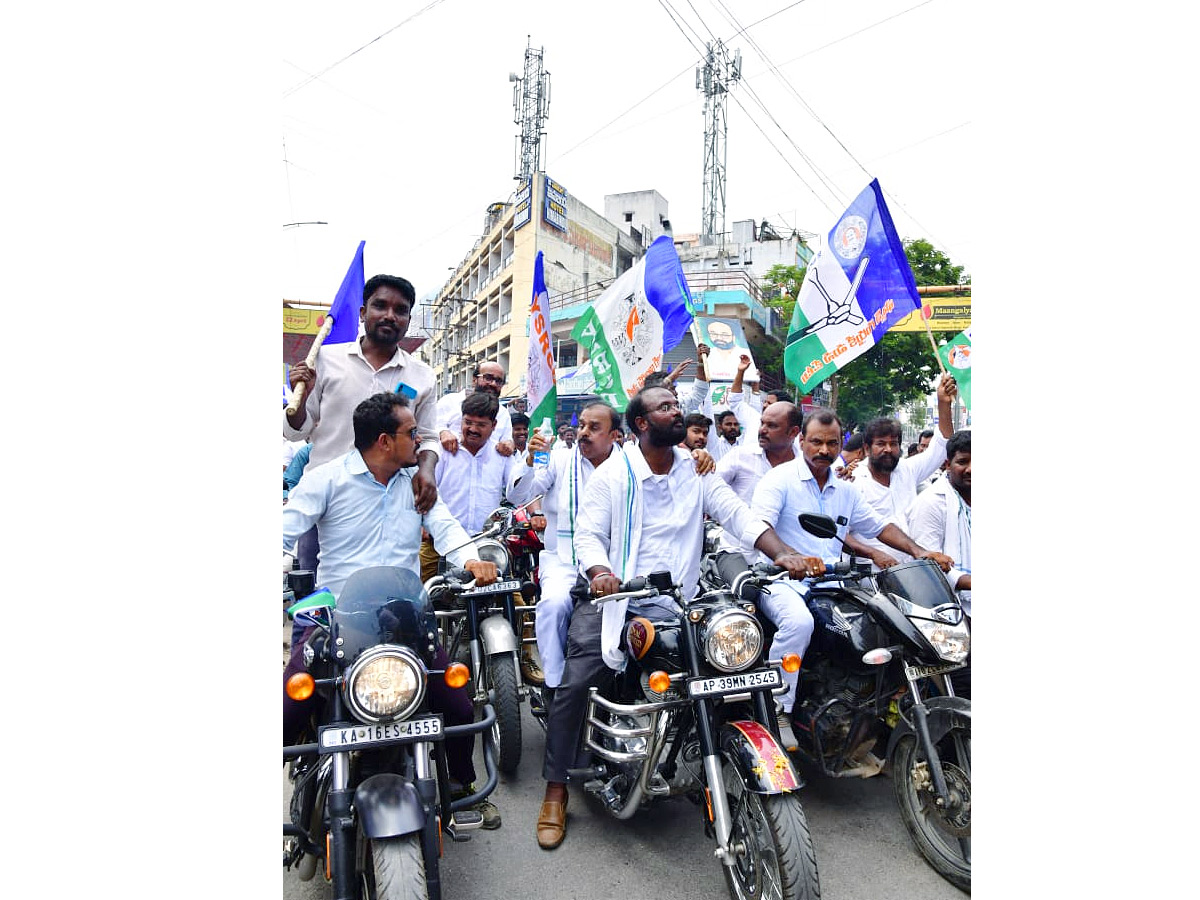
(818, 525)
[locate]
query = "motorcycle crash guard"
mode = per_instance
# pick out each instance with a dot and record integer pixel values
(941, 712)
(497, 635)
(388, 806)
(762, 763)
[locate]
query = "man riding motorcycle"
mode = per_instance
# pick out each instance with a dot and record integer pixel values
(362, 505)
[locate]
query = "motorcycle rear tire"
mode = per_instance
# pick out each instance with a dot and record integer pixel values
(780, 862)
(946, 853)
(397, 869)
(502, 674)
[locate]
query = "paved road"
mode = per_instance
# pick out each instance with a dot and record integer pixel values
(862, 848)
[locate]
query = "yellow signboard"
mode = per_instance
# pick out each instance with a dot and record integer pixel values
(949, 314)
(302, 321)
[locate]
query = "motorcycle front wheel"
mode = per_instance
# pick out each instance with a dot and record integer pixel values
(395, 869)
(776, 860)
(943, 836)
(502, 677)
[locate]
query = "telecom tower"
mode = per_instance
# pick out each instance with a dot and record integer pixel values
(715, 77)
(531, 106)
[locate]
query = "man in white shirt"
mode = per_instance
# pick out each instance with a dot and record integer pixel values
(744, 467)
(807, 485)
(472, 481)
(561, 484)
(941, 516)
(488, 379)
(889, 482)
(363, 504)
(346, 374)
(641, 512)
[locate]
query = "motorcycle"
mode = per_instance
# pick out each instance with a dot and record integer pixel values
(371, 791)
(692, 715)
(486, 627)
(875, 674)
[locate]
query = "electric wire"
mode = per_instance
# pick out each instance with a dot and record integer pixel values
(313, 78)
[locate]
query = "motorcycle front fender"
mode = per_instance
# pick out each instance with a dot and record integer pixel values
(497, 635)
(388, 805)
(940, 714)
(761, 762)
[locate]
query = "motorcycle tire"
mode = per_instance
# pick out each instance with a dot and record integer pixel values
(780, 862)
(502, 676)
(943, 838)
(395, 869)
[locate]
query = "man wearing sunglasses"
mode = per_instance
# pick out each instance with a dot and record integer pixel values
(363, 508)
(488, 378)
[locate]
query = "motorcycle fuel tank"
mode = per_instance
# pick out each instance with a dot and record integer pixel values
(842, 630)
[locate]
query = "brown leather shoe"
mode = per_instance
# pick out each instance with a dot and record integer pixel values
(552, 823)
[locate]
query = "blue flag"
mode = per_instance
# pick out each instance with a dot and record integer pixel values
(348, 302)
(857, 287)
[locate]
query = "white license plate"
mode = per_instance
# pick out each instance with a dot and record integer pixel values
(499, 587)
(915, 672)
(334, 739)
(733, 684)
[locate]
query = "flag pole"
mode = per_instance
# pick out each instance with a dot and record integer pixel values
(929, 331)
(311, 360)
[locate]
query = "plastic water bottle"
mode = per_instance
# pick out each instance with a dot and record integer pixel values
(542, 457)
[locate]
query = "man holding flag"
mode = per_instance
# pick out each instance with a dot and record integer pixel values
(348, 369)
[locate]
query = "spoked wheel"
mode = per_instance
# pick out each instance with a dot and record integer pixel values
(394, 869)
(502, 675)
(941, 833)
(776, 860)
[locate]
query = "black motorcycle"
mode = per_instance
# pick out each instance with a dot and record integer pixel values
(692, 715)
(485, 627)
(875, 676)
(371, 789)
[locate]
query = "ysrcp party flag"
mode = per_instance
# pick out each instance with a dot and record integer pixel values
(857, 287)
(639, 317)
(542, 390)
(957, 357)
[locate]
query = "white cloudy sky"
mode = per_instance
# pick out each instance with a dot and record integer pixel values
(405, 142)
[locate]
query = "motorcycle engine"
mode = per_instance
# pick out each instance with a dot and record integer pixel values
(834, 727)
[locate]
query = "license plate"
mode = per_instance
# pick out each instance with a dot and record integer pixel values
(915, 672)
(734, 684)
(499, 587)
(334, 739)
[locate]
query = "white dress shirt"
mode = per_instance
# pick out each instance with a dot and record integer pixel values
(790, 489)
(526, 482)
(473, 484)
(892, 503)
(941, 520)
(344, 380)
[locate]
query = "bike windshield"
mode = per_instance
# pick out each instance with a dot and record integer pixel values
(383, 605)
(919, 582)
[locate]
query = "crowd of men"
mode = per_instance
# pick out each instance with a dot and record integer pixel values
(383, 472)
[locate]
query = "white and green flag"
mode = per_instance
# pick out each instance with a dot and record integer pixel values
(640, 317)
(957, 357)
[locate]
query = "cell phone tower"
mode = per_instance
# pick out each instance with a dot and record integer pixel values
(531, 107)
(714, 77)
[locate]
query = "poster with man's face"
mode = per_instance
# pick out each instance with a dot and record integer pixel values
(727, 342)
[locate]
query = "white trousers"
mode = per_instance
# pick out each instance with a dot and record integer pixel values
(783, 603)
(553, 614)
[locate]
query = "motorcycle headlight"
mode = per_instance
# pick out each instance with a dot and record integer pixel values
(494, 552)
(952, 642)
(732, 640)
(385, 683)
